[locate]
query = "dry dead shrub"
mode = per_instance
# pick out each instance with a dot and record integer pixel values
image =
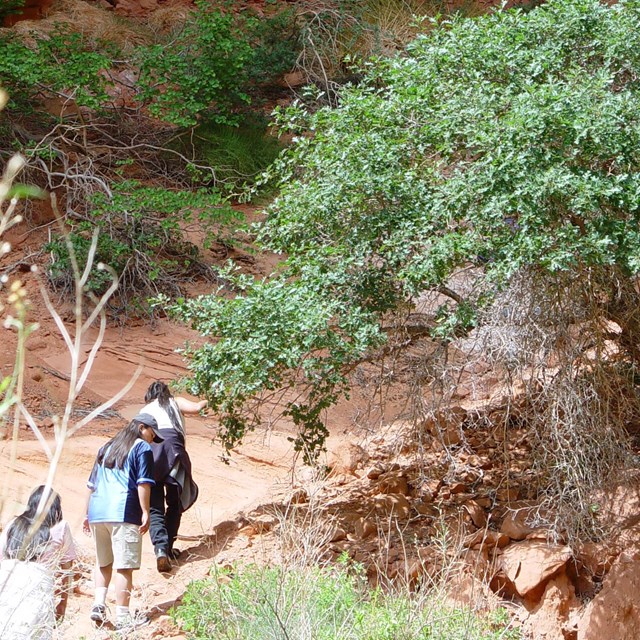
(557, 357)
(564, 364)
(333, 30)
(90, 20)
(169, 18)
(304, 533)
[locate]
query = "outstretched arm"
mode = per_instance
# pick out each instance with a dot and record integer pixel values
(188, 406)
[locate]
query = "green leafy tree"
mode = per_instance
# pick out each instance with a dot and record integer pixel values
(508, 142)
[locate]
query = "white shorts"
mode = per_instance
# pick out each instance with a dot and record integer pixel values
(118, 543)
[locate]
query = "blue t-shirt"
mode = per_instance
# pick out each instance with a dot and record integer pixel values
(114, 492)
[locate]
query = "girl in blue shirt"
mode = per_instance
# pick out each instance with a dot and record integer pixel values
(118, 515)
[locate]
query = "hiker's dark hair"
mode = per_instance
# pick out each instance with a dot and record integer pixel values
(115, 452)
(160, 391)
(53, 506)
(25, 540)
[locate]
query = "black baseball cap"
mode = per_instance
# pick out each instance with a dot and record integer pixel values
(150, 421)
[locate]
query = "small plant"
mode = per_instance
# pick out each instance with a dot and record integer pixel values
(142, 240)
(198, 72)
(62, 64)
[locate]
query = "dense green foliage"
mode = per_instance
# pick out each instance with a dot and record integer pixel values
(508, 142)
(63, 64)
(210, 66)
(331, 604)
(204, 66)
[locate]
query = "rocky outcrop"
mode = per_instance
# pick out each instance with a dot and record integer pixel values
(615, 611)
(516, 521)
(530, 564)
(552, 618)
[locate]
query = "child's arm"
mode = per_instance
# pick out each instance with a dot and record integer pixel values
(144, 496)
(85, 523)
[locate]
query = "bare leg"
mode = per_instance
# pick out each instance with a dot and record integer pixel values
(63, 587)
(102, 576)
(124, 586)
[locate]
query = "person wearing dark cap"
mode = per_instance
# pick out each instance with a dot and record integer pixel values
(118, 515)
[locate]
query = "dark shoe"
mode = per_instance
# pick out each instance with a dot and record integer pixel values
(174, 554)
(163, 563)
(98, 614)
(130, 622)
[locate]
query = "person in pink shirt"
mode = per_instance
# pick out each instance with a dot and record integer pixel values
(36, 549)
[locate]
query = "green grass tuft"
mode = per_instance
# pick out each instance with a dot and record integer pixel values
(255, 603)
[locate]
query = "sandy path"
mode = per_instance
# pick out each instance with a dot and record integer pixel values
(257, 473)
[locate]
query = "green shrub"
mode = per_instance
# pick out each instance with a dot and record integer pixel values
(63, 62)
(141, 238)
(275, 43)
(197, 71)
(256, 603)
(213, 64)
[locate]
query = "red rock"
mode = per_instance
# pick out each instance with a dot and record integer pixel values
(476, 513)
(394, 482)
(614, 614)
(338, 534)
(529, 564)
(515, 523)
(595, 558)
(458, 487)
(434, 485)
(446, 426)
(508, 494)
(345, 460)
(364, 528)
(551, 618)
(393, 504)
(486, 538)
(263, 523)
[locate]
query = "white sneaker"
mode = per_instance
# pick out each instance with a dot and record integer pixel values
(130, 622)
(98, 614)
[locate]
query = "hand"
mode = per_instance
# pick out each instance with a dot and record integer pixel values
(144, 527)
(85, 526)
